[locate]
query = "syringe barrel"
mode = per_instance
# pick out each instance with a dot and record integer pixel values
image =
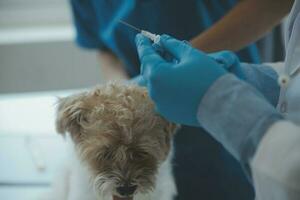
(153, 37)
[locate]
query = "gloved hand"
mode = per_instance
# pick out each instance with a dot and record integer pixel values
(229, 61)
(177, 86)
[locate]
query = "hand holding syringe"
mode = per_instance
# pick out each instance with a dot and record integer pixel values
(155, 39)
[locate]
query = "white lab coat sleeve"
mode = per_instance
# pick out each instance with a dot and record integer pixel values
(276, 163)
(237, 115)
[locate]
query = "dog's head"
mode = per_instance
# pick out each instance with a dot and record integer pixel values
(119, 136)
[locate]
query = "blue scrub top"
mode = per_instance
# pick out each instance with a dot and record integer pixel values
(97, 24)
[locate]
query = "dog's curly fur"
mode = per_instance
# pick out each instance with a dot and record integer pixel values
(119, 137)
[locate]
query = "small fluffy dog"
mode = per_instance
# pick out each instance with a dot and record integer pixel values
(121, 148)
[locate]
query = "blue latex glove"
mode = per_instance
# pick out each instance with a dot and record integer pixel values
(230, 62)
(227, 59)
(177, 86)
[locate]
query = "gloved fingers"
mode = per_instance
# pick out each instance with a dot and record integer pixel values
(226, 58)
(229, 61)
(139, 80)
(151, 61)
(153, 75)
(146, 52)
(176, 47)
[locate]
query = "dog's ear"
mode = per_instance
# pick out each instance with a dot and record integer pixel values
(70, 115)
(170, 129)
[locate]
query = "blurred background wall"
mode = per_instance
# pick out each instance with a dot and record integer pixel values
(37, 51)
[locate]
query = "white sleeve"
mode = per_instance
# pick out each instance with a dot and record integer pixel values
(276, 163)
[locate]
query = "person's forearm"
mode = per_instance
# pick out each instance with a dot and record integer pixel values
(111, 67)
(245, 23)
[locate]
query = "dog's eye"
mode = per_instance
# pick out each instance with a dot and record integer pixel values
(140, 155)
(107, 155)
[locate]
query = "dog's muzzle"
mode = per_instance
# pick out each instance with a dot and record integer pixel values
(122, 198)
(126, 192)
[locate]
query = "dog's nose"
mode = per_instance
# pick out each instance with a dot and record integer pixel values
(126, 190)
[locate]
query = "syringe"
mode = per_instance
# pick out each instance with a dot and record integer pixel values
(153, 37)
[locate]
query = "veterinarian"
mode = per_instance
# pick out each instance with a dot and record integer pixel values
(97, 27)
(236, 103)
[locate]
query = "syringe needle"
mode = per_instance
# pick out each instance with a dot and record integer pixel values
(153, 37)
(129, 25)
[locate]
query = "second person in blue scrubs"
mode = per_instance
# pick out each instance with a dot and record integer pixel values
(203, 168)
